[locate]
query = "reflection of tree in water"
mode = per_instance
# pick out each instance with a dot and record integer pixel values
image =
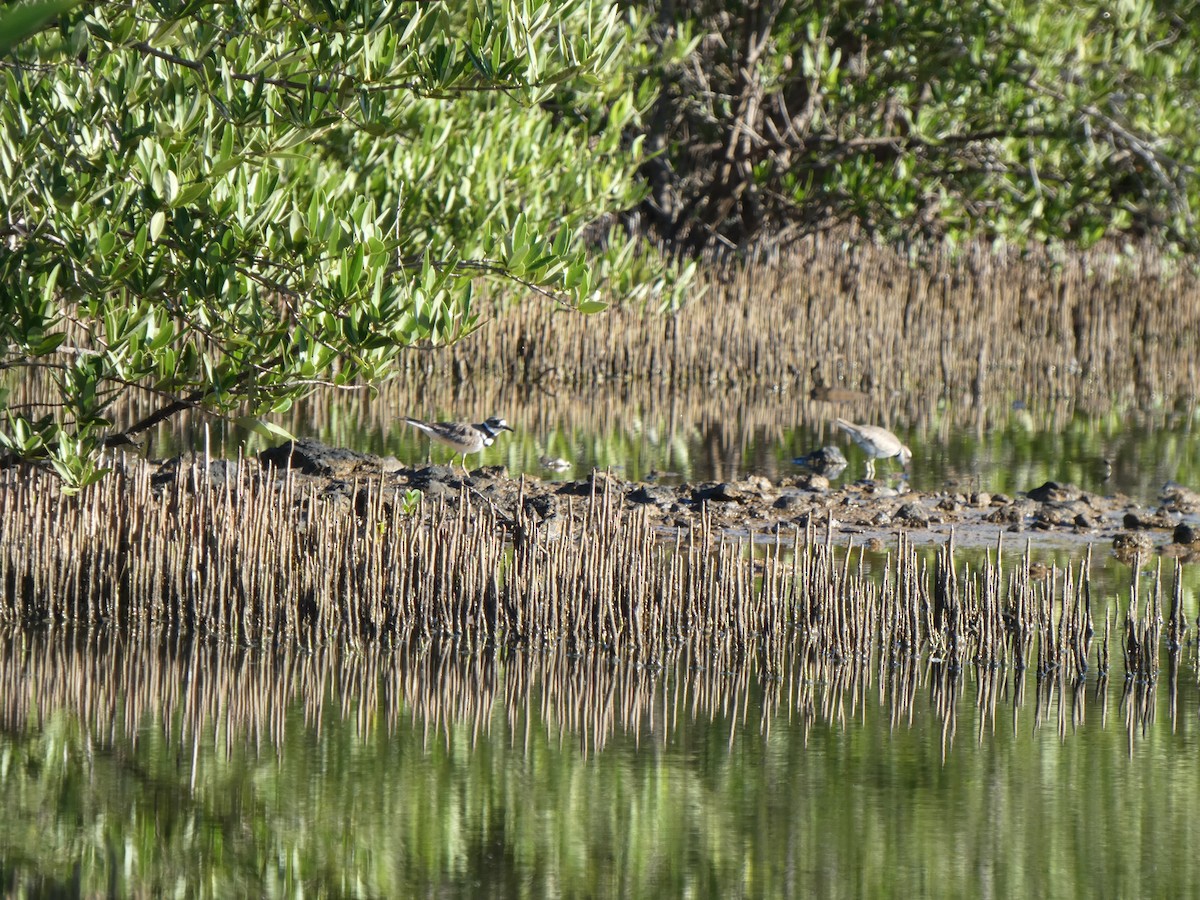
(997, 362)
(197, 690)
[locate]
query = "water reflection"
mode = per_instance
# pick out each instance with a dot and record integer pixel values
(143, 763)
(648, 432)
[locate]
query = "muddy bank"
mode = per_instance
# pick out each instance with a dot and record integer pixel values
(1049, 514)
(308, 544)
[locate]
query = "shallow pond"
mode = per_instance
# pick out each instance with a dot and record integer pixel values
(148, 766)
(726, 434)
(142, 766)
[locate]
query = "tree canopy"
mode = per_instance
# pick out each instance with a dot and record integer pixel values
(1045, 121)
(224, 204)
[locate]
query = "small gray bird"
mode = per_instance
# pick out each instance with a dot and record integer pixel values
(876, 442)
(463, 438)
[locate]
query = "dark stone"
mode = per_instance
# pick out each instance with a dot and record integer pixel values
(1050, 515)
(1177, 498)
(1132, 541)
(315, 458)
(815, 518)
(432, 490)
(644, 494)
(215, 475)
(912, 514)
(1186, 534)
(576, 489)
(220, 471)
(1147, 521)
(336, 487)
(1053, 492)
(827, 461)
(789, 500)
(435, 477)
(806, 481)
(1011, 513)
(596, 482)
(722, 492)
(544, 506)
(489, 473)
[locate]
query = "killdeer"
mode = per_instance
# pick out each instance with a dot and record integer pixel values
(463, 438)
(876, 442)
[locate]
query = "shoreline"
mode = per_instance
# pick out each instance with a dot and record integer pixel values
(758, 508)
(306, 544)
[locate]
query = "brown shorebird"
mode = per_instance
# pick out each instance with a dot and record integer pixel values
(463, 438)
(876, 442)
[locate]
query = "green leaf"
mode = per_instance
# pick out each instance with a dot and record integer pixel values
(21, 21)
(303, 238)
(264, 428)
(48, 344)
(51, 282)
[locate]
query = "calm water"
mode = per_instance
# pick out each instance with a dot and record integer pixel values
(136, 766)
(725, 435)
(151, 768)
